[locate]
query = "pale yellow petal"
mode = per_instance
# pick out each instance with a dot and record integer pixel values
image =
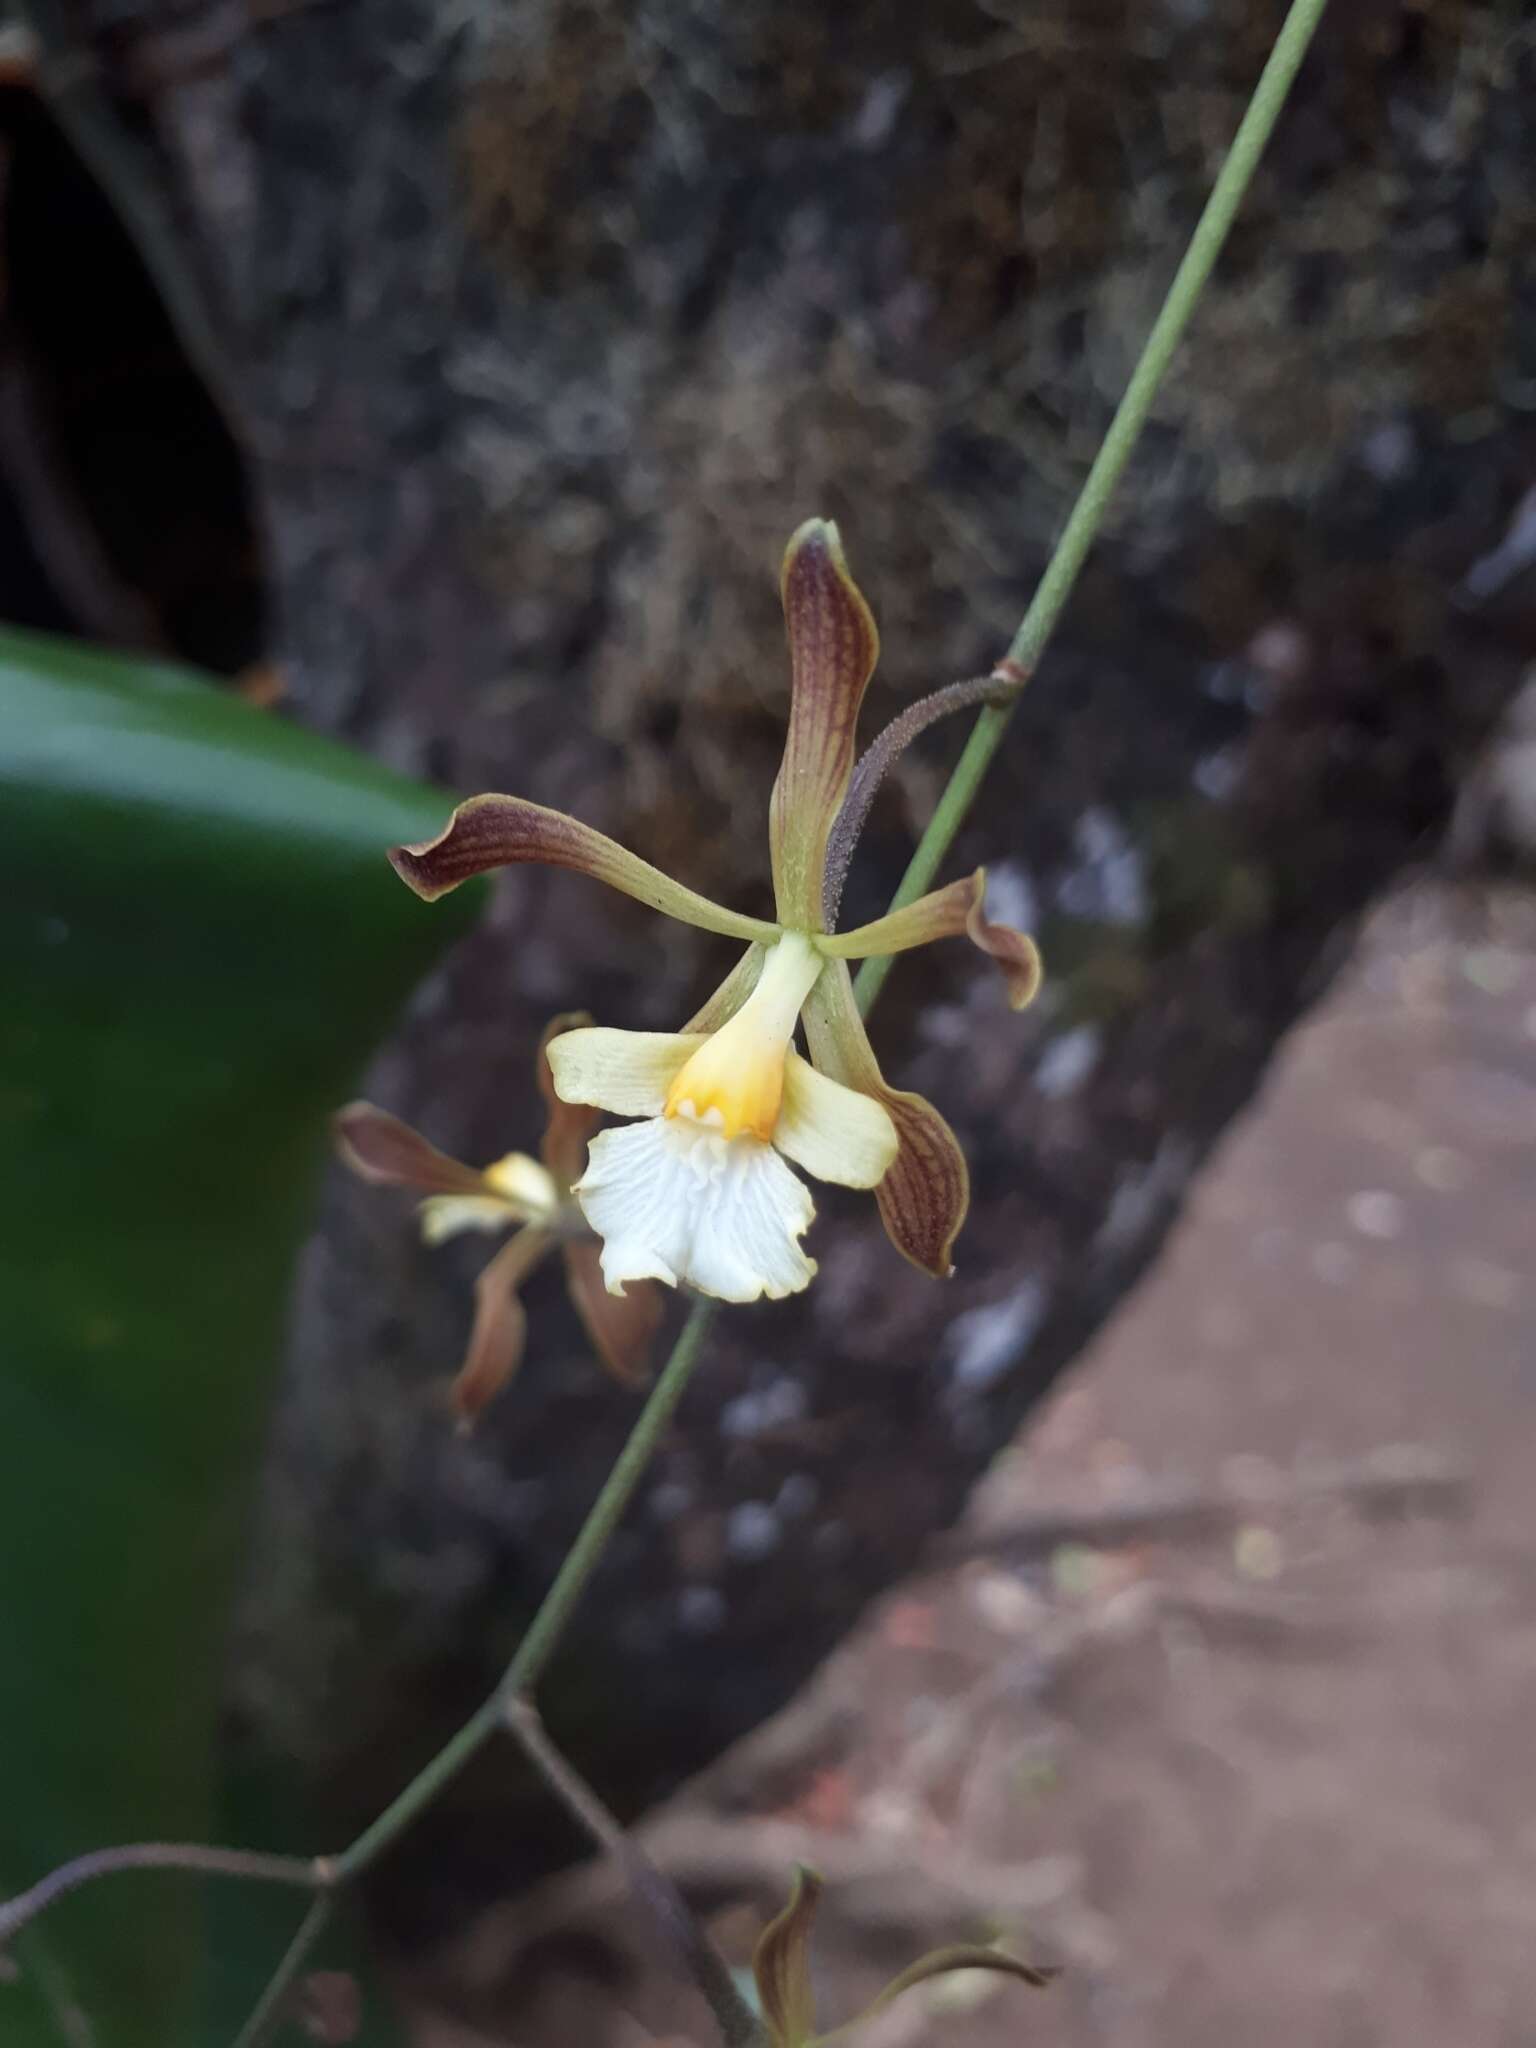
(627, 1072)
(445, 1216)
(516, 1190)
(834, 1132)
(527, 1185)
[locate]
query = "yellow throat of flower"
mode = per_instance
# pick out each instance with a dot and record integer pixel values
(735, 1081)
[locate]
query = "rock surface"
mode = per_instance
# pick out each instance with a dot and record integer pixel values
(1217, 1695)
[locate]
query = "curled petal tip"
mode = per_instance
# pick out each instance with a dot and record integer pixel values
(942, 1962)
(812, 535)
(781, 1964)
(943, 913)
(413, 864)
(1016, 954)
(491, 831)
(484, 832)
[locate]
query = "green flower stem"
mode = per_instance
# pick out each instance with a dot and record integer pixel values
(270, 2009)
(556, 1609)
(421, 1791)
(548, 1624)
(1055, 587)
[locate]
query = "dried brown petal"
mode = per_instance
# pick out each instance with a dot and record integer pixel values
(501, 1328)
(384, 1149)
(833, 647)
(622, 1327)
(943, 914)
(924, 1196)
(489, 832)
(567, 1125)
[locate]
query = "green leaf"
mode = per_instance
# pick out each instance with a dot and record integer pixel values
(200, 942)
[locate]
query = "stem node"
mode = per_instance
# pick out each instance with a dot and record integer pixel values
(1013, 675)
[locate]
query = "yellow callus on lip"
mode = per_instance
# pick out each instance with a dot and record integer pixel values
(731, 1095)
(735, 1081)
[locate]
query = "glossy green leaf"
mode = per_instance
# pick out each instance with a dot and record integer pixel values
(200, 943)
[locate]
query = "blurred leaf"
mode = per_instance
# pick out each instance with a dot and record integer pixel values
(200, 942)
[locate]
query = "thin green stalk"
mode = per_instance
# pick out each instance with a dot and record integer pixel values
(555, 1610)
(1082, 527)
(586, 1552)
(268, 2010)
(99, 1863)
(419, 1794)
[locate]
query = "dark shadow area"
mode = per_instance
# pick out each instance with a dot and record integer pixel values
(124, 509)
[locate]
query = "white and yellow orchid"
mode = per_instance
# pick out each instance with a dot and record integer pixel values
(532, 1198)
(699, 1192)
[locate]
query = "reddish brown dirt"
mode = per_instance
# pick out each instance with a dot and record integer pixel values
(1257, 1766)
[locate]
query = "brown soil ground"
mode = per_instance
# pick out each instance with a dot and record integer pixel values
(1225, 1697)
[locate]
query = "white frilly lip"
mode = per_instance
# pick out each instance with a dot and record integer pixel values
(675, 1201)
(673, 1198)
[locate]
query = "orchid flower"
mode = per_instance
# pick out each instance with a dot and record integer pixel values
(781, 1969)
(533, 1198)
(699, 1192)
